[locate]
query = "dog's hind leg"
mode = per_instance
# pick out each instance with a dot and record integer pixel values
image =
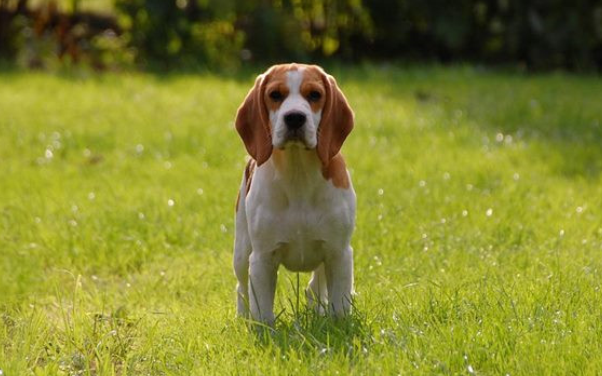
(317, 292)
(242, 251)
(339, 278)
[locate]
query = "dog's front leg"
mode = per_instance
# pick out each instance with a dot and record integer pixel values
(263, 272)
(339, 278)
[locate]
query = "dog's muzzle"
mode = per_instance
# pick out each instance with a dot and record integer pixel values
(295, 122)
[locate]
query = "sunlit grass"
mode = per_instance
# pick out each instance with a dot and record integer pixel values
(478, 246)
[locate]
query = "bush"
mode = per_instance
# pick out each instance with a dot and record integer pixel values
(302, 30)
(47, 37)
(182, 32)
(221, 33)
(539, 34)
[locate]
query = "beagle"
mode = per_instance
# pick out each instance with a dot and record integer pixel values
(296, 204)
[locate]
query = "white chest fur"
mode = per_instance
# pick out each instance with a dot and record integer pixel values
(295, 214)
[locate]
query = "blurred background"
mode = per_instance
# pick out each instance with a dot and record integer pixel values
(229, 34)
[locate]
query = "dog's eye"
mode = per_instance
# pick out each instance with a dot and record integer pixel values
(276, 96)
(314, 96)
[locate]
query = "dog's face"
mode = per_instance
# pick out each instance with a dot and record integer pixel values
(294, 105)
(295, 99)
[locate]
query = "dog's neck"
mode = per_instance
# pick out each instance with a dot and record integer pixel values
(297, 167)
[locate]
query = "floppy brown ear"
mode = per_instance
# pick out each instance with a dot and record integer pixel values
(336, 123)
(253, 125)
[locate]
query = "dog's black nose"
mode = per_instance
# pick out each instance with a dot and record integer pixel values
(294, 120)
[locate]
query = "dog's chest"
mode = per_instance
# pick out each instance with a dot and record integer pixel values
(299, 225)
(303, 233)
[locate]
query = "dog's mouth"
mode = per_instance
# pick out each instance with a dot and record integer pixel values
(296, 143)
(295, 138)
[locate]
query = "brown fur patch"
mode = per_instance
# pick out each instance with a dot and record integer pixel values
(337, 172)
(312, 81)
(253, 123)
(249, 171)
(277, 82)
(336, 122)
(278, 158)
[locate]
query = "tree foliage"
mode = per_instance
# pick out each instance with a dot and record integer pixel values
(225, 33)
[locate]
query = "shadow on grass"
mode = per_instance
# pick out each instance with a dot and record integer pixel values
(313, 334)
(300, 328)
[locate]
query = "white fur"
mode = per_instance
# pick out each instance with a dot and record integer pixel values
(295, 102)
(293, 216)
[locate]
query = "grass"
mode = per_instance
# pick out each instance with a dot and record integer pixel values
(478, 247)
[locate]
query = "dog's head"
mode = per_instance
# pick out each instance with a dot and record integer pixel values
(294, 105)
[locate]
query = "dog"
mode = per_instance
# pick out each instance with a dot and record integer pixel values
(296, 204)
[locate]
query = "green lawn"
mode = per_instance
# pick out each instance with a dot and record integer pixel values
(478, 247)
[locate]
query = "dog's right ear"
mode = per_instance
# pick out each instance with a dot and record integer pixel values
(336, 123)
(253, 124)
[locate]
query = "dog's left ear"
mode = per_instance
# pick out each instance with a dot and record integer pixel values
(336, 123)
(253, 124)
